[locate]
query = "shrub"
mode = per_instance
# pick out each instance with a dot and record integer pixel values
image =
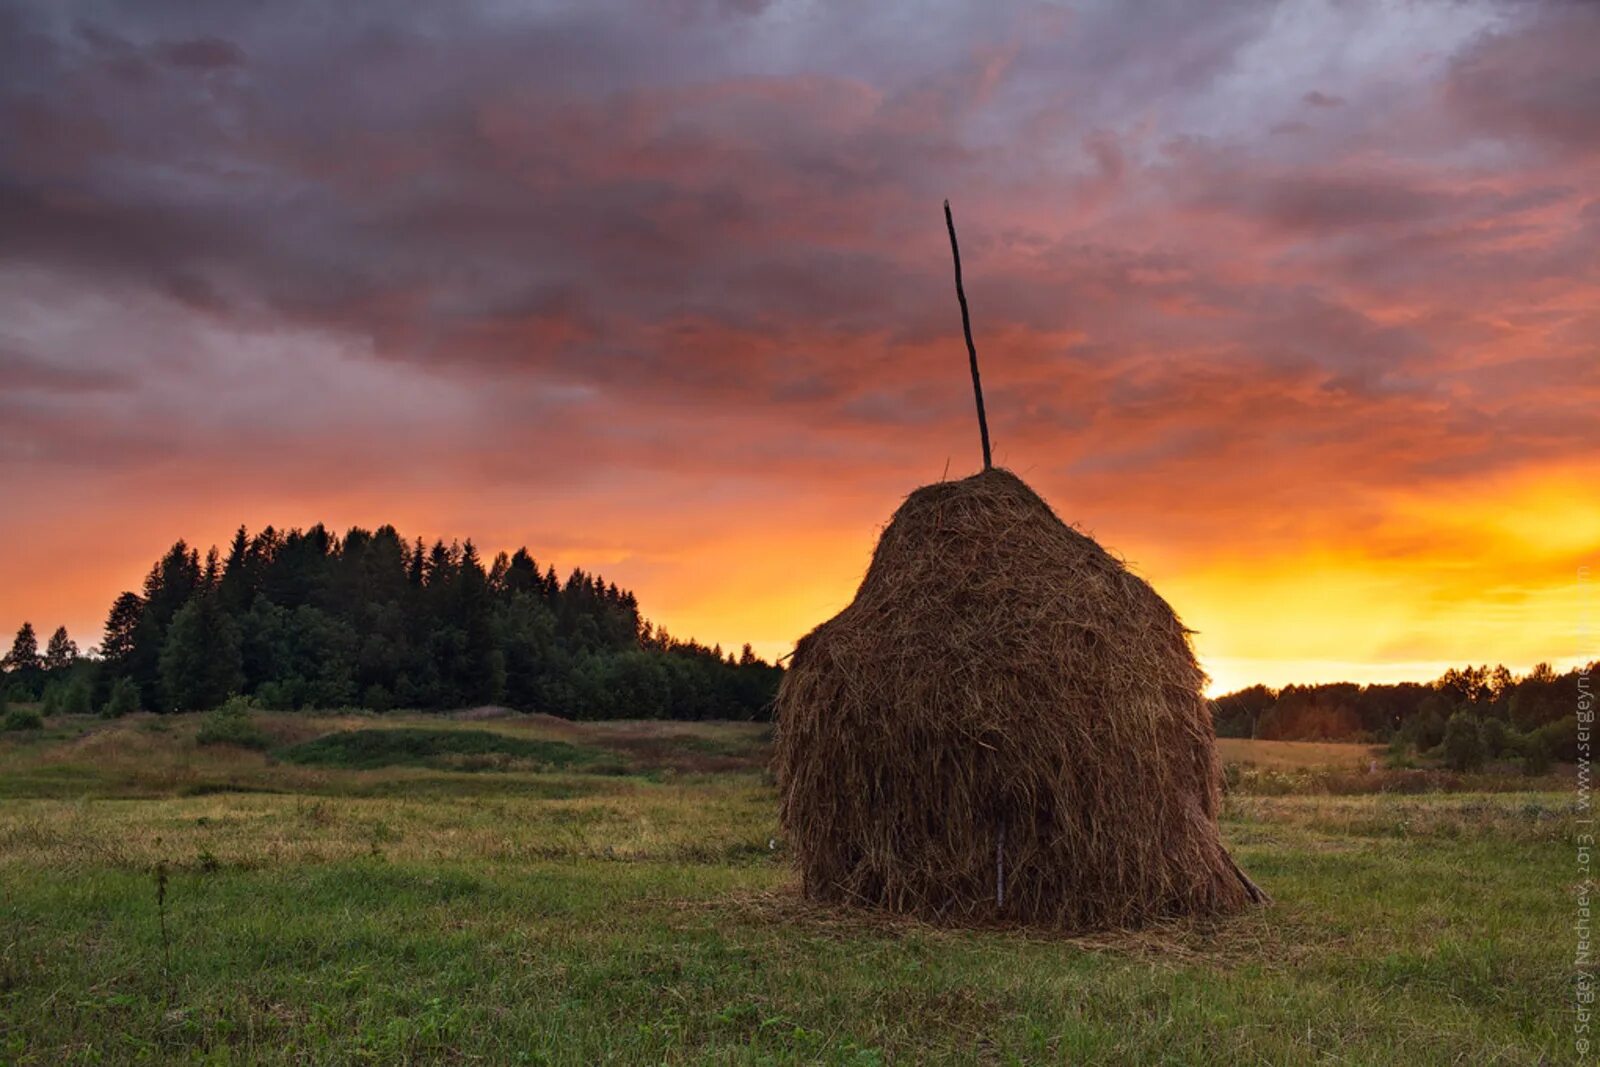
(1463, 743)
(1561, 736)
(22, 719)
(122, 700)
(51, 704)
(1399, 747)
(76, 697)
(232, 724)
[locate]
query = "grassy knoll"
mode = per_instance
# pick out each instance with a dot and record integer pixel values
(528, 910)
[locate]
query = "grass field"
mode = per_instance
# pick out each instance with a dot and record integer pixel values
(544, 892)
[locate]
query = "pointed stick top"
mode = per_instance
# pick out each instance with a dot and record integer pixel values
(966, 329)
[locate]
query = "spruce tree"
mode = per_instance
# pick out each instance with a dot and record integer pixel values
(237, 585)
(117, 644)
(24, 654)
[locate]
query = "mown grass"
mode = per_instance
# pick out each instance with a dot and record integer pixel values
(409, 914)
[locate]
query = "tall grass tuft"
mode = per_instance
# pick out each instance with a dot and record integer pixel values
(166, 941)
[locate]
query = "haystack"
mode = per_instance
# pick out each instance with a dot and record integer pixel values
(1005, 724)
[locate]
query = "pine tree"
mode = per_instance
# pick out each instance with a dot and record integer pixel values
(61, 652)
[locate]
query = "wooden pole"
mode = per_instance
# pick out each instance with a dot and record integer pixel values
(966, 329)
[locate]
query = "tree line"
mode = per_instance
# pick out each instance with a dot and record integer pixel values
(1467, 716)
(307, 619)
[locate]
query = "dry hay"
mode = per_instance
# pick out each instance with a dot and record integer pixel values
(1002, 693)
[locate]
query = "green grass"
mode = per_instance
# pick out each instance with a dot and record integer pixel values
(411, 914)
(456, 749)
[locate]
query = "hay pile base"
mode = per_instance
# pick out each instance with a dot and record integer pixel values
(1004, 711)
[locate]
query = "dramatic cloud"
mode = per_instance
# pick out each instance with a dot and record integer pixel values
(664, 289)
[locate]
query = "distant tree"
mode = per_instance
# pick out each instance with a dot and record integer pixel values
(169, 586)
(1497, 738)
(200, 664)
(1465, 686)
(1426, 728)
(1312, 713)
(117, 644)
(1500, 682)
(24, 654)
(319, 620)
(240, 574)
(1236, 714)
(61, 652)
(522, 575)
(1463, 748)
(1537, 758)
(298, 658)
(479, 674)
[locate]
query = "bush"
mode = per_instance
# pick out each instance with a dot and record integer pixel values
(122, 700)
(1463, 743)
(76, 697)
(22, 719)
(51, 704)
(232, 724)
(1561, 737)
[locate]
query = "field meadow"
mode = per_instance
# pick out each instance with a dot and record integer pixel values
(349, 889)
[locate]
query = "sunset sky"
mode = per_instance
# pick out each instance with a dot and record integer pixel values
(1295, 306)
